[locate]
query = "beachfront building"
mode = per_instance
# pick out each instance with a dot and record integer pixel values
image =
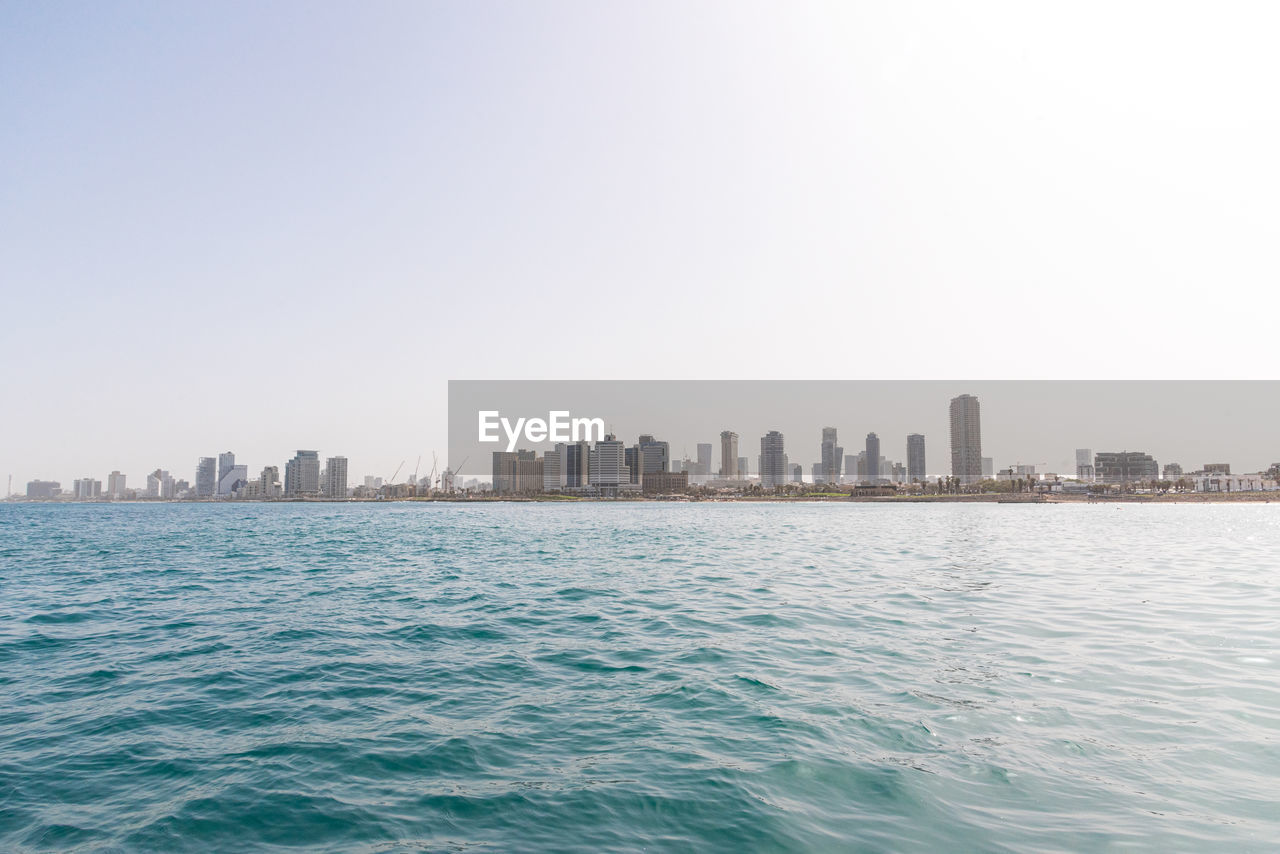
(1124, 467)
(1084, 465)
(115, 485)
(657, 455)
(873, 457)
(773, 460)
(335, 480)
(664, 482)
(916, 470)
(832, 457)
(206, 477)
(966, 439)
(728, 455)
(302, 475)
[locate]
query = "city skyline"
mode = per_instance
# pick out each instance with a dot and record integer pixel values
(613, 463)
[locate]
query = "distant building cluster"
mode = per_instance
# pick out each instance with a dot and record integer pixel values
(609, 467)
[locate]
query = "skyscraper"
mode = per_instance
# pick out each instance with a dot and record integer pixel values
(657, 455)
(335, 478)
(966, 439)
(873, 457)
(206, 477)
(916, 469)
(608, 464)
(704, 462)
(774, 470)
(302, 475)
(832, 456)
(728, 454)
(226, 462)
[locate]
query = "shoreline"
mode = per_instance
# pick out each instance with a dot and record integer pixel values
(988, 498)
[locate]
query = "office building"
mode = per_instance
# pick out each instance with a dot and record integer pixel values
(302, 475)
(916, 469)
(226, 462)
(634, 459)
(832, 457)
(577, 464)
(235, 477)
(115, 485)
(773, 459)
(966, 439)
(657, 455)
(873, 457)
(608, 464)
(206, 477)
(729, 454)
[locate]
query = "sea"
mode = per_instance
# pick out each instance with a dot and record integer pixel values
(640, 676)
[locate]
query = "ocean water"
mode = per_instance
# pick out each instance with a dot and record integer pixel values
(640, 677)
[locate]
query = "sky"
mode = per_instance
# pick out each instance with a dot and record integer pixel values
(264, 227)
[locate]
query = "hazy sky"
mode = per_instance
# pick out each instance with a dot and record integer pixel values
(261, 227)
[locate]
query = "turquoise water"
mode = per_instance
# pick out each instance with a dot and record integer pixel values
(712, 677)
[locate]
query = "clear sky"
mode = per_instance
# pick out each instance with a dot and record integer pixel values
(261, 227)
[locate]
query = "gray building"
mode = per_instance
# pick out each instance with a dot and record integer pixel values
(966, 439)
(657, 455)
(206, 477)
(226, 462)
(873, 457)
(916, 468)
(302, 475)
(1125, 467)
(832, 456)
(773, 459)
(115, 485)
(335, 485)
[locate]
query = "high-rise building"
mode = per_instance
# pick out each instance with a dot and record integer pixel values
(553, 469)
(335, 485)
(608, 464)
(302, 475)
(206, 477)
(774, 469)
(728, 454)
(744, 468)
(966, 439)
(577, 464)
(1124, 467)
(832, 456)
(1084, 465)
(851, 467)
(797, 473)
(703, 471)
(226, 462)
(635, 459)
(873, 457)
(916, 469)
(232, 479)
(115, 485)
(657, 455)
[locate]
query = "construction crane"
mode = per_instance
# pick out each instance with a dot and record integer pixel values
(415, 468)
(431, 478)
(392, 479)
